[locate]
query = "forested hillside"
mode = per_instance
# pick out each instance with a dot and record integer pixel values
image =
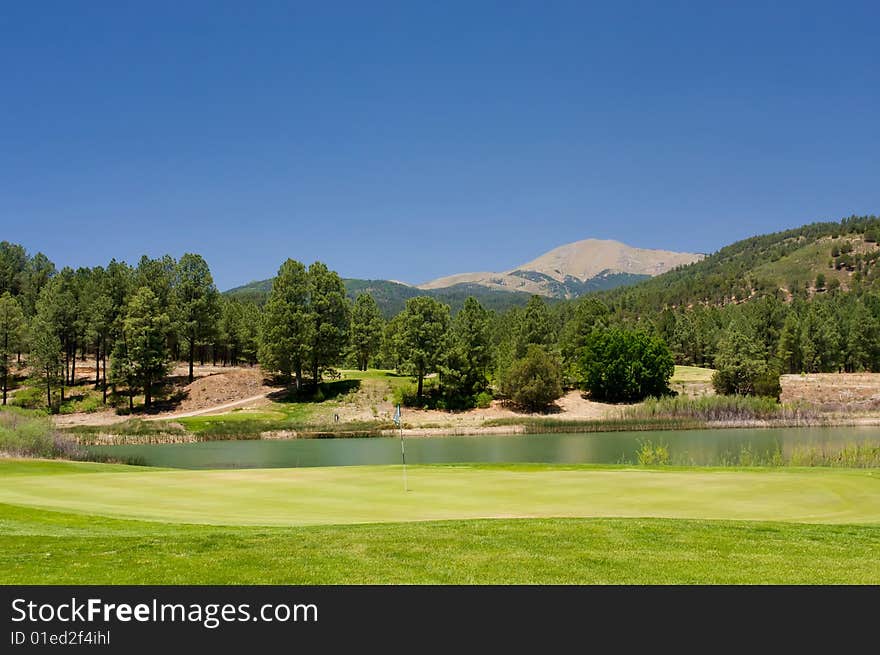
(784, 264)
(392, 296)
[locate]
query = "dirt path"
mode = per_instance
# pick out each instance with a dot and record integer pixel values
(209, 410)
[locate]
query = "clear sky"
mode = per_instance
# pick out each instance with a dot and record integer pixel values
(410, 140)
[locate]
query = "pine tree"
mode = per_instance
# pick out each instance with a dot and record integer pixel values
(534, 327)
(367, 328)
(196, 304)
(330, 315)
(45, 353)
(788, 352)
(467, 354)
(862, 340)
(423, 333)
(286, 328)
(11, 322)
(145, 332)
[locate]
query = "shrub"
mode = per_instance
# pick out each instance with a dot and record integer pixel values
(483, 400)
(26, 433)
(534, 381)
(651, 455)
(32, 397)
(624, 365)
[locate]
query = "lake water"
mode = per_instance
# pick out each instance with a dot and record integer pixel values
(698, 447)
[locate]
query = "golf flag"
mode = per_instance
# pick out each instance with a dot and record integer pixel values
(402, 449)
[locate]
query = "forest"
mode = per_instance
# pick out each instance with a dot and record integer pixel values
(135, 321)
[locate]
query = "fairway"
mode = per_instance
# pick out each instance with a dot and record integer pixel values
(374, 494)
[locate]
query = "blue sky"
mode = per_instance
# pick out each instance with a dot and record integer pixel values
(411, 140)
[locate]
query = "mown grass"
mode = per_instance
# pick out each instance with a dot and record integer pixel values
(372, 494)
(393, 379)
(44, 547)
(683, 374)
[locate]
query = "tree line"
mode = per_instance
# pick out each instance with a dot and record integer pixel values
(142, 318)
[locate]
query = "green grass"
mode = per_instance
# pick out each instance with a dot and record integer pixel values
(41, 547)
(64, 523)
(685, 374)
(392, 378)
(373, 494)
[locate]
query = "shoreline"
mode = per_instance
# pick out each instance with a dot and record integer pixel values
(535, 426)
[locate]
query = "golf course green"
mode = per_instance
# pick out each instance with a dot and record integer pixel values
(64, 522)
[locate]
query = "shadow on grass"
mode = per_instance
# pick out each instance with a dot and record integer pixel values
(308, 394)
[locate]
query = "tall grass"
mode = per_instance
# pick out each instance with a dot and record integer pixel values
(860, 455)
(26, 433)
(719, 409)
(553, 426)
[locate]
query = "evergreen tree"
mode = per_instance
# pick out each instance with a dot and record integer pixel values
(862, 340)
(788, 352)
(467, 355)
(534, 327)
(45, 353)
(286, 329)
(367, 328)
(145, 329)
(741, 366)
(589, 314)
(422, 336)
(197, 304)
(55, 312)
(820, 340)
(11, 322)
(330, 315)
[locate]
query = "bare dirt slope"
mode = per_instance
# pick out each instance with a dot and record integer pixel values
(572, 406)
(214, 389)
(833, 391)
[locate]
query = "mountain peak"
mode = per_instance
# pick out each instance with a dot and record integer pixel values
(568, 270)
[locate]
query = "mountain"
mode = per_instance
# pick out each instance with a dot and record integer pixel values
(574, 269)
(392, 296)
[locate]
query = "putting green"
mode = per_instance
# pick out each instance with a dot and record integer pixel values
(374, 494)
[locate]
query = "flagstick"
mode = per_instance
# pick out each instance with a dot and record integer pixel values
(403, 457)
(399, 421)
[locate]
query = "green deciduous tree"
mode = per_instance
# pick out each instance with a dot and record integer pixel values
(534, 380)
(367, 328)
(625, 365)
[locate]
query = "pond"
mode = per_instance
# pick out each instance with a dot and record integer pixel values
(686, 447)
